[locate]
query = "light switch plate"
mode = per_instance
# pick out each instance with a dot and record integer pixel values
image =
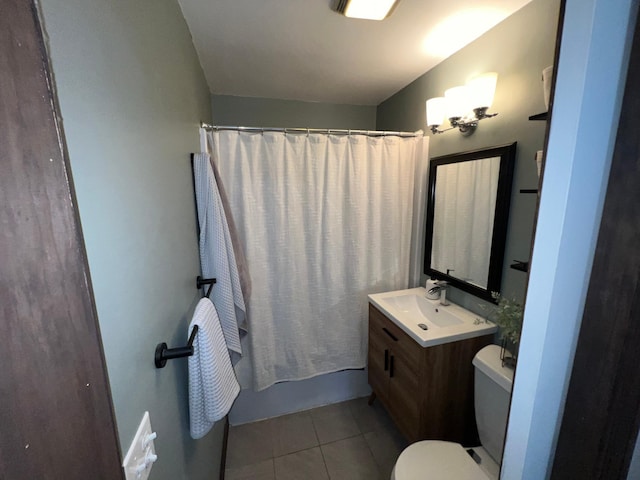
(142, 453)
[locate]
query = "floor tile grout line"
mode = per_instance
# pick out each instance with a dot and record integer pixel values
(360, 432)
(320, 445)
(317, 444)
(342, 439)
(373, 455)
(273, 445)
(313, 424)
(324, 460)
(303, 450)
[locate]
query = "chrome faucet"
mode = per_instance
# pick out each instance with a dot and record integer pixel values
(434, 292)
(439, 290)
(443, 293)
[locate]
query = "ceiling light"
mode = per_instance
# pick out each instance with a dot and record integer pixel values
(366, 9)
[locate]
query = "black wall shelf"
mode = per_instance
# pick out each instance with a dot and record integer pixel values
(520, 266)
(539, 116)
(529, 190)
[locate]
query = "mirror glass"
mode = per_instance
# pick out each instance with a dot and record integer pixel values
(467, 214)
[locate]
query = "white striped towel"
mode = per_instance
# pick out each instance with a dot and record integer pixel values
(217, 258)
(213, 386)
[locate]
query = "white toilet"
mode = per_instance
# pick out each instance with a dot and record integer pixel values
(438, 460)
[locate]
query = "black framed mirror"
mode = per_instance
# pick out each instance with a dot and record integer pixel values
(468, 204)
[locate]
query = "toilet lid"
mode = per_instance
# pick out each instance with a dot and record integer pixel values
(436, 460)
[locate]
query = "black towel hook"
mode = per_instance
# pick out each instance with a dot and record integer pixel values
(201, 282)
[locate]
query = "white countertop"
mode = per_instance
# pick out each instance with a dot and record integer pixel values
(450, 323)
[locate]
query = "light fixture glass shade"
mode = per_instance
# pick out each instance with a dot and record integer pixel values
(457, 101)
(482, 89)
(369, 9)
(436, 111)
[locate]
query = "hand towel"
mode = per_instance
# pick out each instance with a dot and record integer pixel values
(217, 257)
(213, 386)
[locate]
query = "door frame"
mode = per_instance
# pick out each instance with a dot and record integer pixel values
(602, 411)
(56, 412)
(591, 75)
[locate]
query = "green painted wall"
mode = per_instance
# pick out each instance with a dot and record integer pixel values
(269, 112)
(518, 49)
(131, 93)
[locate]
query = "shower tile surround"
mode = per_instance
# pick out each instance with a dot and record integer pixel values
(344, 441)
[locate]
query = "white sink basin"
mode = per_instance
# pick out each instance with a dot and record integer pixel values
(411, 311)
(417, 306)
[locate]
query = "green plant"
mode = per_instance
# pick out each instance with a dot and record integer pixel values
(507, 314)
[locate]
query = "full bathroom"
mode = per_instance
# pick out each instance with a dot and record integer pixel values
(373, 253)
(335, 405)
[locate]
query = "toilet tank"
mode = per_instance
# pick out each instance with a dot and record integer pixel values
(492, 395)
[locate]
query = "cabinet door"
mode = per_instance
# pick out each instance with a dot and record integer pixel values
(378, 359)
(404, 396)
(401, 343)
(399, 354)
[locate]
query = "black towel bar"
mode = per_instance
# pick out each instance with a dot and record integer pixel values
(163, 353)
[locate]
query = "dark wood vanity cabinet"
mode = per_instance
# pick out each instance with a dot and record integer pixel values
(428, 391)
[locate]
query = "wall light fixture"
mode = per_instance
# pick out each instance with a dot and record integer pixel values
(463, 106)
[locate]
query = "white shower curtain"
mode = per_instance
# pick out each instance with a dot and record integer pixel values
(324, 220)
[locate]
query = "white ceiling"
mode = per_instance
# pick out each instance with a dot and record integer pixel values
(303, 50)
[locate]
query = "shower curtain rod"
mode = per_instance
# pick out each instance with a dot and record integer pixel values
(333, 131)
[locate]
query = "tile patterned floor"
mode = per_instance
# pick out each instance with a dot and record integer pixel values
(344, 441)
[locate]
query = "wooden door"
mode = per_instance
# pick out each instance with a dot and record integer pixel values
(56, 416)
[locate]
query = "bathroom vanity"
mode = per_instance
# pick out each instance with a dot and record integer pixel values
(424, 378)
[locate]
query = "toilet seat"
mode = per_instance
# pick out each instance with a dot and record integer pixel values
(436, 460)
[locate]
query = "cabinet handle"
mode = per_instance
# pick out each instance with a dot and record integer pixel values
(391, 367)
(386, 360)
(390, 334)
